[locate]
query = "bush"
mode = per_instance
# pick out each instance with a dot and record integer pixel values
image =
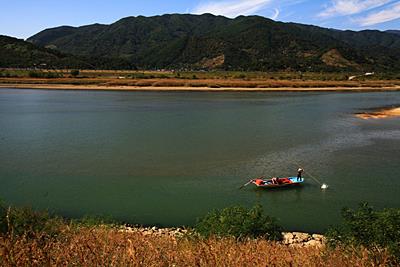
(75, 73)
(239, 222)
(40, 74)
(3, 219)
(368, 228)
(25, 221)
(94, 221)
(52, 75)
(240, 76)
(35, 74)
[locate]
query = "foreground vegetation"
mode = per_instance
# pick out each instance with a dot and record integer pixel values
(108, 247)
(240, 223)
(31, 238)
(375, 230)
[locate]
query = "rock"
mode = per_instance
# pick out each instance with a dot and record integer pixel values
(287, 238)
(301, 237)
(318, 237)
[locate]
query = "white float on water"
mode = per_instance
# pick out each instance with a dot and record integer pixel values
(324, 186)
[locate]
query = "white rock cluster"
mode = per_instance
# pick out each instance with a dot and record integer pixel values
(174, 232)
(303, 239)
(295, 239)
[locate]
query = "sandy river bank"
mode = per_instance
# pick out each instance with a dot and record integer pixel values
(195, 89)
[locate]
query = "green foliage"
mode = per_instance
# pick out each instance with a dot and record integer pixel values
(241, 76)
(41, 74)
(369, 228)
(35, 74)
(6, 74)
(25, 221)
(93, 221)
(239, 222)
(3, 218)
(15, 53)
(75, 73)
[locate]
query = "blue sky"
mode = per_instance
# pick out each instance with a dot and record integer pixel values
(23, 18)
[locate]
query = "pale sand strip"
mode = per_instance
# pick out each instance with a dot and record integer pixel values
(380, 114)
(196, 89)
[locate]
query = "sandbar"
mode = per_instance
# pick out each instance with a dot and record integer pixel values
(380, 114)
(44, 86)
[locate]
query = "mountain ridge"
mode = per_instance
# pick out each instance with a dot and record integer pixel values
(175, 41)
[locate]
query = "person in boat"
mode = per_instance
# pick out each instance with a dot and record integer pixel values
(275, 180)
(299, 173)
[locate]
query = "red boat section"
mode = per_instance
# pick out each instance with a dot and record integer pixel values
(276, 182)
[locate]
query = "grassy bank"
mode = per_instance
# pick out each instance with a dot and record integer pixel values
(191, 80)
(245, 238)
(96, 246)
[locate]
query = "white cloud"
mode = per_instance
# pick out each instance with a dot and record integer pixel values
(232, 8)
(276, 14)
(350, 7)
(389, 14)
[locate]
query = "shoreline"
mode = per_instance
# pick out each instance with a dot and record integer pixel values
(73, 87)
(380, 114)
(291, 239)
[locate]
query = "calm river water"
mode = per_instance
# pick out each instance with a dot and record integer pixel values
(167, 158)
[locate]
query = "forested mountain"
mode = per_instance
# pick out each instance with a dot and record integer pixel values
(16, 53)
(215, 42)
(393, 31)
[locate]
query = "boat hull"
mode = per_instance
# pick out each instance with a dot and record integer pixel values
(282, 182)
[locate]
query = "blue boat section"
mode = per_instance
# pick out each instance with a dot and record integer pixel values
(296, 181)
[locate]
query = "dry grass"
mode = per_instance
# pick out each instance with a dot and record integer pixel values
(207, 83)
(106, 247)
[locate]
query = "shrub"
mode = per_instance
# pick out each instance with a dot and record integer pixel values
(239, 222)
(40, 74)
(3, 218)
(75, 73)
(240, 76)
(52, 75)
(35, 74)
(4, 73)
(94, 221)
(25, 221)
(368, 228)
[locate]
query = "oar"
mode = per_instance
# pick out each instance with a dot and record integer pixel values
(246, 184)
(249, 182)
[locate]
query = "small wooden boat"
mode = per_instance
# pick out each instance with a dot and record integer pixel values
(277, 182)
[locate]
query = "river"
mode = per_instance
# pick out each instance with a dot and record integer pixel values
(166, 158)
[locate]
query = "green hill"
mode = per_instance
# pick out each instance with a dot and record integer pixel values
(16, 53)
(215, 42)
(393, 31)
